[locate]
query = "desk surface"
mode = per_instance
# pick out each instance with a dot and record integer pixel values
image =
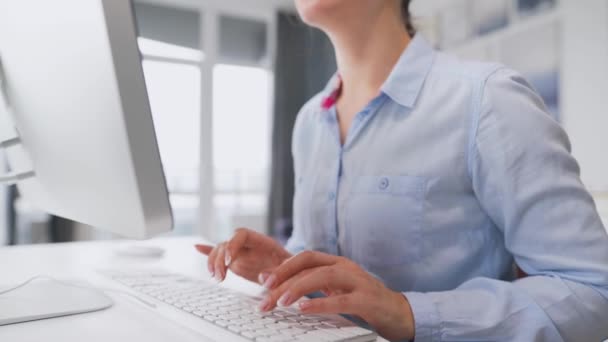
(127, 319)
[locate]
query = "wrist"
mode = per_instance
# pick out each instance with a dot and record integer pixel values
(402, 327)
(408, 315)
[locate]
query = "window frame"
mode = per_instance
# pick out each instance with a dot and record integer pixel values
(210, 35)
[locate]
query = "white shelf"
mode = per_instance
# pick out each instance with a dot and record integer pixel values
(564, 48)
(524, 25)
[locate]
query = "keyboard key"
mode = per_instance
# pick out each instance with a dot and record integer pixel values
(236, 328)
(295, 331)
(268, 331)
(240, 321)
(230, 316)
(254, 326)
(277, 325)
(305, 338)
(222, 323)
(355, 331)
(210, 318)
(319, 335)
(251, 334)
(280, 338)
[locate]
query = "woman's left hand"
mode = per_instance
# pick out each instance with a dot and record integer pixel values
(349, 289)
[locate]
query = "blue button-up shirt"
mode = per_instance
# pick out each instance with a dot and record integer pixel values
(450, 175)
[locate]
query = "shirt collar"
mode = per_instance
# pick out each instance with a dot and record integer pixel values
(405, 81)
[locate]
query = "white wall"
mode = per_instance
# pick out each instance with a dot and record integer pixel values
(585, 87)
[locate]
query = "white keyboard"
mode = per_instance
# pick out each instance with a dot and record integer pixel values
(237, 313)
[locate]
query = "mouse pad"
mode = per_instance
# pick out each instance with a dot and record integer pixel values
(126, 320)
(46, 298)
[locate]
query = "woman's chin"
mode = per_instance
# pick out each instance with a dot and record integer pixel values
(317, 13)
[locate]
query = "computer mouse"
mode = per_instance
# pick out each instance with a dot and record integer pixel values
(140, 251)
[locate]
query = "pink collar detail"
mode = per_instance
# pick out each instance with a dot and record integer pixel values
(330, 100)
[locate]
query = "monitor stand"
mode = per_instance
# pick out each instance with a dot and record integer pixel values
(46, 298)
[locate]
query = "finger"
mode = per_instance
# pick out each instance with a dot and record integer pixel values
(220, 266)
(264, 274)
(342, 304)
(235, 244)
(211, 261)
(329, 278)
(270, 300)
(296, 264)
(204, 249)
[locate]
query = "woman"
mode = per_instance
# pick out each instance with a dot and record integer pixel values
(421, 180)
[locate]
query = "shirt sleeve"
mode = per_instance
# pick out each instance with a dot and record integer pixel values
(528, 183)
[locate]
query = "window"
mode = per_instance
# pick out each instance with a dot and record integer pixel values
(241, 147)
(173, 80)
(226, 95)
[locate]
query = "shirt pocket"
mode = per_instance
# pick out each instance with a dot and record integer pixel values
(384, 220)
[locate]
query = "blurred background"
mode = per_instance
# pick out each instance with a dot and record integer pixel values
(226, 79)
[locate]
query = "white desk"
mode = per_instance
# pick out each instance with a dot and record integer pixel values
(127, 320)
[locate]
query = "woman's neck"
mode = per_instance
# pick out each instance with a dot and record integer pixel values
(367, 52)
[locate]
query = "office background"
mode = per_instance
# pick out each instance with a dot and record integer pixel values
(226, 79)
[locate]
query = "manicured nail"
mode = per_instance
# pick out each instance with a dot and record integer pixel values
(285, 300)
(262, 277)
(269, 283)
(211, 270)
(304, 305)
(218, 276)
(227, 259)
(265, 304)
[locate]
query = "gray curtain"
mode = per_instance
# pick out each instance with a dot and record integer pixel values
(304, 63)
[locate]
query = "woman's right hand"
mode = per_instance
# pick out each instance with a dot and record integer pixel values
(248, 254)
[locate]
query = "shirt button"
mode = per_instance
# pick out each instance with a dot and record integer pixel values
(384, 183)
(332, 196)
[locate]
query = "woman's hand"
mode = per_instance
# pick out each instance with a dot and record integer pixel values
(349, 289)
(248, 254)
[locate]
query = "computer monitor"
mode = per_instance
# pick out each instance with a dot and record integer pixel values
(73, 86)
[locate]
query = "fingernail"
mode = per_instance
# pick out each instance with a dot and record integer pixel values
(304, 305)
(269, 283)
(262, 277)
(211, 270)
(218, 276)
(285, 300)
(265, 304)
(227, 259)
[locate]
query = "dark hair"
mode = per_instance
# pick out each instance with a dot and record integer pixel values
(407, 16)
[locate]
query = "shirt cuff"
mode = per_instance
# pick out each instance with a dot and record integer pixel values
(426, 317)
